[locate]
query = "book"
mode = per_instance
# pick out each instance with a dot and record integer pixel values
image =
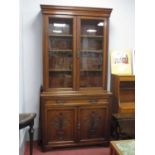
(121, 61)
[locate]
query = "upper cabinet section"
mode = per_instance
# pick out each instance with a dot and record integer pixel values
(91, 52)
(75, 45)
(60, 52)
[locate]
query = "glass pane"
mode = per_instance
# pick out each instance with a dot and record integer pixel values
(91, 53)
(60, 47)
(60, 26)
(92, 27)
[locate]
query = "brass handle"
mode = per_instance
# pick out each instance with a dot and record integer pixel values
(78, 125)
(60, 101)
(93, 101)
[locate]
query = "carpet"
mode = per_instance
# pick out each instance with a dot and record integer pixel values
(75, 151)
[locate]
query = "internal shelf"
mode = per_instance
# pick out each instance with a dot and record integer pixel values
(60, 35)
(91, 36)
(129, 88)
(90, 50)
(59, 70)
(60, 50)
(90, 70)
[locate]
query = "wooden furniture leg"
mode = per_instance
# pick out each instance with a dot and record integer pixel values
(111, 150)
(31, 131)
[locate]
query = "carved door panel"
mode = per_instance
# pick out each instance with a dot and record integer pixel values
(93, 123)
(61, 125)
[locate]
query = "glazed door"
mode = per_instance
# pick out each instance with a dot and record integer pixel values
(92, 52)
(60, 126)
(92, 124)
(60, 52)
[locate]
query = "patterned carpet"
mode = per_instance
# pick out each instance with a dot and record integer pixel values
(75, 151)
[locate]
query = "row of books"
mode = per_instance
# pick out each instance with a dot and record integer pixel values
(91, 62)
(60, 62)
(60, 80)
(91, 44)
(91, 80)
(59, 43)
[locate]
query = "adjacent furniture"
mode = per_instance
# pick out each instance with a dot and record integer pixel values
(27, 119)
(123, 126)
(75, 104)
(122, 147)
(123, 107)
(123, 89)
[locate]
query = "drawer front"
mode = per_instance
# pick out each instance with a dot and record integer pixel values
(92, 101)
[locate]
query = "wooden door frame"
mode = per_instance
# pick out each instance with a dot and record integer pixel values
(104, 55)
(45, 53)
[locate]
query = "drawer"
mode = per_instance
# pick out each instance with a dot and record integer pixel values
(77, 101)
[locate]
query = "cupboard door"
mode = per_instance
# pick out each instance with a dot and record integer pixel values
(60, 125)
(91, 52)
(61, 48)
(93, 123)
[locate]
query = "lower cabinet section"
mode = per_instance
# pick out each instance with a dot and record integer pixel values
(93, 123)
(60, 125)
(74, 123)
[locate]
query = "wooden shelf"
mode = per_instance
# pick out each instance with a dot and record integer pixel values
(60, 50)
(60, 35)
(127, 88)
(59, 70)
(91, 70)
(89, 50)
(126, 78)
(91, 36)
(123, 89)
(127, 107)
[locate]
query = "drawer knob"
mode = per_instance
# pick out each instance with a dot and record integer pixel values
(78, 125)
(93, 101)
(60, 101)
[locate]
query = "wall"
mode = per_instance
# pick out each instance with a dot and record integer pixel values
(21, 84)
(121, 36)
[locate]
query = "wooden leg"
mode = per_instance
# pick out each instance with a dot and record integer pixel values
(31, 131)
(111, 150)
(118, 131)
